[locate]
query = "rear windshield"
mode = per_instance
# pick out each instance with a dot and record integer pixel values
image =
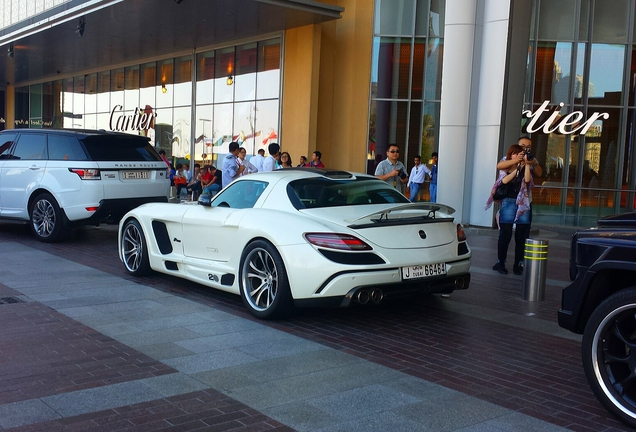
(120, 148)
(321, 192)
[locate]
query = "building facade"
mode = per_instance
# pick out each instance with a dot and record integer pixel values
(464, 78)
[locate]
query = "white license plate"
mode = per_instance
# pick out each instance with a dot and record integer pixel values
(423, 271)
(126, 175)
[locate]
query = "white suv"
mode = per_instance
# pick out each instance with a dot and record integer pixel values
(57, 178)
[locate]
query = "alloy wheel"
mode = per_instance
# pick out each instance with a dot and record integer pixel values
(132, 247)
(43, 218)
(260, 279)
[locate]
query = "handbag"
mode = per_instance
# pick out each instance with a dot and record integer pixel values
(501, 192)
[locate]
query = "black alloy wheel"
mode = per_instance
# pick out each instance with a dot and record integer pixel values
(609, 354)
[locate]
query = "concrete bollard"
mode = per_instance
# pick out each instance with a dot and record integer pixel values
(534, 272)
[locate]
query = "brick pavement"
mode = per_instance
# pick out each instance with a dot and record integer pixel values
(485, 342)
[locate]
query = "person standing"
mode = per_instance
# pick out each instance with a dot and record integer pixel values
(515, 207)
(416, 179)
(269, 164)
(433, 184)
(258, 160)
(303, 162)
(232, 167)
(315, 160)
(522, 231)
(285, 160)
(249, 167)
(391, 170)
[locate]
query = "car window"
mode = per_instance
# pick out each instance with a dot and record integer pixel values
(120, 148)
(321, 192)
(5, 144)
(65, 147)
(240, 194)
(30, 147)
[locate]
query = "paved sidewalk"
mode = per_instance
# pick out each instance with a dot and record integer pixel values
(90, 350)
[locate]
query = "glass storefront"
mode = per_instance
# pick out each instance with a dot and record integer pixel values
(406, 79)
(235, 98)
(581, 55)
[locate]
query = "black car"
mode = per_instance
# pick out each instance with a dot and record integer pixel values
(600, 303)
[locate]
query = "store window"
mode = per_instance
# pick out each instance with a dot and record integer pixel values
(236, 99)
(406, 79)
(580, 75)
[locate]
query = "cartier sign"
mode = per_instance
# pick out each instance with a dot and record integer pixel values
(138, 120)
(566, 125)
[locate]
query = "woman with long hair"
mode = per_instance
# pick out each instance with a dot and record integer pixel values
(514, 208)
(285, 160)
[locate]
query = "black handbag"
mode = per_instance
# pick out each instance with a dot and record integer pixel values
(501, 192)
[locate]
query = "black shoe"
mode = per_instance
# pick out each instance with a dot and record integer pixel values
(517, 269)
(500, 267)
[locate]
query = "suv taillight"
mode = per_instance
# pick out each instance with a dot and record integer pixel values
(87, 174)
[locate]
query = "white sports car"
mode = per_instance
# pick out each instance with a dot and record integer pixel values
(301, 237)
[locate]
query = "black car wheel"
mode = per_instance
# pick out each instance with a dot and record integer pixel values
(263, 281)
(47, 222)
(609, 354)
(134, 250)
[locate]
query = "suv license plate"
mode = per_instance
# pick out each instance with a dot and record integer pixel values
(423, 271)
(135, 175)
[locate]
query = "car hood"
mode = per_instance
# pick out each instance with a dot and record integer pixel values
(394, 226)
(625, 220)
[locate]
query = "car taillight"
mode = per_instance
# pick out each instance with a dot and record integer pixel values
(86, 174)
(461, 235)
(337, 241)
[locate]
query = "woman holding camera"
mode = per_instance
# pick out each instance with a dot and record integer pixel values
(515, 208)
(391, 170)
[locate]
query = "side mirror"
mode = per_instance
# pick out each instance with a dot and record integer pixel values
(204, 200)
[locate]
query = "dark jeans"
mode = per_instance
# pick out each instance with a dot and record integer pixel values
(505, 235)
(195, 188)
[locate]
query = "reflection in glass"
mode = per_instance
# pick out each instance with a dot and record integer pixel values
(205, 77)
(131, 88)
(148, 76)
(90, 98)
(223, 114)
(390, 67)
(610, 21)
(78, 95)
(434, 58)
(556, 20)
(553, 72)
(165, 78)
(394, 17)
(67, 102)
(429, 130)
(244, 125)
(606, 74)
(117, 87)
(266, 124)
(224, 68)
(181, 132)
(183, 81)
(35, 101)
(203, 142)
(164, 130)
(387, 125)
(103, 92)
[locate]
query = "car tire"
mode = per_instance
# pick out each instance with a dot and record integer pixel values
(609, 354)
(263, 282)
(47, 219)
(134, 250)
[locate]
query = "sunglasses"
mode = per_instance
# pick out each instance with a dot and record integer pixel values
(394, 151)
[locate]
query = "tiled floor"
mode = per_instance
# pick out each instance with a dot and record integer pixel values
(485, 342)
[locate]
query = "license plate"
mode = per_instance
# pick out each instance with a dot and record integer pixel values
(127, 175)
(423, 271)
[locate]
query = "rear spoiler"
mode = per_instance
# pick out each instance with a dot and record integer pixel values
(412, 206)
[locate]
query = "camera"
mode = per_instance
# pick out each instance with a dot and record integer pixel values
(528, 154)
(402, 174)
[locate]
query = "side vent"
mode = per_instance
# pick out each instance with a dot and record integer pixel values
(162, 237)
(171, 265)
(462, 249)
(227, 279)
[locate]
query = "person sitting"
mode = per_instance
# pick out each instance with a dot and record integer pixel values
(209, 182)
(180, 180)
(194, 185)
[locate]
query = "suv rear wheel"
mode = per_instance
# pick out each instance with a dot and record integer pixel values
(609, 354)
(47, 221)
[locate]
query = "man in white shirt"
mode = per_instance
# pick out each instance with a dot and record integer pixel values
(258, 160)
(416, 179)
(269, 164)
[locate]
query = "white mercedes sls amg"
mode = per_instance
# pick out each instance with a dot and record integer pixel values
(301, 237)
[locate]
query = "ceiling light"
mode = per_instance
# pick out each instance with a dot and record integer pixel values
(230, 80)
(10, 50)
(163, 88)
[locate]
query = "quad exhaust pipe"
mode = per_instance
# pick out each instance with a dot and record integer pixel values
(375, 295)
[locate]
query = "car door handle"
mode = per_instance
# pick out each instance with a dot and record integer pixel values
(34, 167)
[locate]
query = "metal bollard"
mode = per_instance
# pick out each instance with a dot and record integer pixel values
(534, 272)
